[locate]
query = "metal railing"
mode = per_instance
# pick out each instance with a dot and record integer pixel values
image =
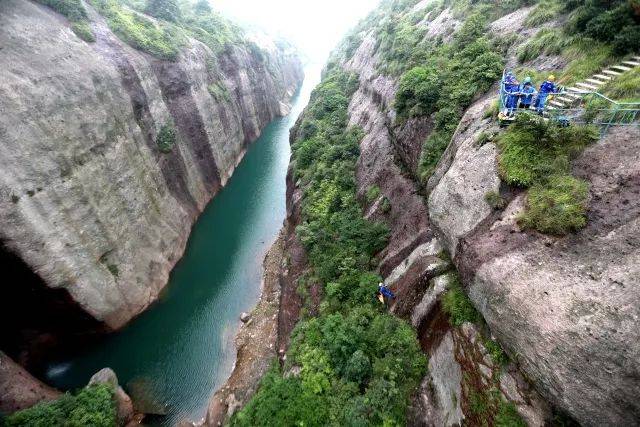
(593, 108)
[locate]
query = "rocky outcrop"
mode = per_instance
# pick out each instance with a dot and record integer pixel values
(124, 406)
(87, 199)
(567, 306)
(20, 390)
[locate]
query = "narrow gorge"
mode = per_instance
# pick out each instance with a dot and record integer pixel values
(445, 258)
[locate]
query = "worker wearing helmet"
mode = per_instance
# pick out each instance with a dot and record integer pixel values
(547, 87)
(527, 90)
(511, 87)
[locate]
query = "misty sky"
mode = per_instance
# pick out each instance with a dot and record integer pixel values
(315, 26)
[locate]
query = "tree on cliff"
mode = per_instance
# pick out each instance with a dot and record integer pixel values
(202, 7)
(164, 9)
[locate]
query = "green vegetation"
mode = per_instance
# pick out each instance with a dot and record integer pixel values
(166, 10)
(92, 406)
(160, 40)
(448, 79)
(496, 352)
(458, 306)
(537, 153)
(532, 149)
(75, 12)
(597, 34)
(558, 206)
(508, 416)
(625, 87)
(113, 269)
(219, 91)
(544, 11)
(166, 138)
(175, 21)
(357, 364)
(495, 200)
(373, 193)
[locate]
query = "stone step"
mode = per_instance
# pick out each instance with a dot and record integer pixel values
(594, 81)
(632, 63)
(587, 86)
(565, 100)
(611, 72)
(572, 95)
(578, 90)
(620, 67)
(602, 76)
(555, 103)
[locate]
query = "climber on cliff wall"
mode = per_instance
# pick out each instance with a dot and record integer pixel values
(384, 293)
(527, 90)
(547, 88)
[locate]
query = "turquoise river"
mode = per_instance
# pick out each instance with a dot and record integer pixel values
(181, 350)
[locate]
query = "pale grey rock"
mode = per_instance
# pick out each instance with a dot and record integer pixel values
(457, 202)
(87, 200)
(568, 308)
(437, 287)
(245, 317)
(446, 379)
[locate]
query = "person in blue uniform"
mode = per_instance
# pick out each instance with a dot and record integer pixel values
(527, 90)
(546, 88)
(511, 88)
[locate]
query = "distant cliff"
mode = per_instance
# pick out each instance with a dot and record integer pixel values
(109, 154)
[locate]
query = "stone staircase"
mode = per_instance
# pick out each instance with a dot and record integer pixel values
(592, 84)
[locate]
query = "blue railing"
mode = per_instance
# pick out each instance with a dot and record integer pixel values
(592, 108)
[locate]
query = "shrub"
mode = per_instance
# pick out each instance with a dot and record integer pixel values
(432, 150)
(167, 10)
(202, 7)
(544, 11)
(557, 207)
(166, 138)
(75, 12)
(495, 200)
(548, 41)
(532, 149)
(92, 406)
(508, 416)
(373, 193)
(161, 40)
(458, 306)
(496, 352)
(219, 91)
(83, 30)
(418, 92)
(627, 39)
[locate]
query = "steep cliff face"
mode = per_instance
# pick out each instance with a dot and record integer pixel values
(92, 201)
(561, 307)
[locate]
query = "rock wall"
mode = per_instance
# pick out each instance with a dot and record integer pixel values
(87, 199)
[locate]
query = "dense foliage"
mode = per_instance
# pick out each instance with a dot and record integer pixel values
(449, 77)
(536, 153)
(167, 10)
(92, 406)
(176, 21)
(357, 364)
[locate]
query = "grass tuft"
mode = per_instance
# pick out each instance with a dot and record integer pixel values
(556, 207)
(458, 306)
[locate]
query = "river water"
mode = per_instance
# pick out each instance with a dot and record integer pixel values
(181, 350)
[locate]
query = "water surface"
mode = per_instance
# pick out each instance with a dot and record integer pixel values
(181, 349)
